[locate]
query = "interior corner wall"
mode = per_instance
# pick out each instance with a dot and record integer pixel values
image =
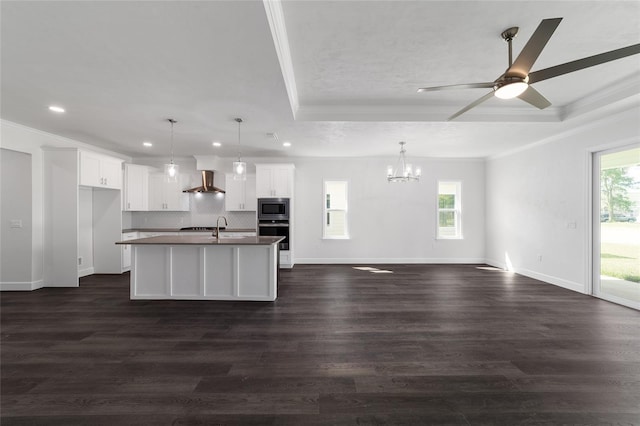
(538, 202)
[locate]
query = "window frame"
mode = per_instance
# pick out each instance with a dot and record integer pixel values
(325, 210)
(457, 210)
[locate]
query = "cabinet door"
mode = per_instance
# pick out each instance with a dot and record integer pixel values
(264, 182)
(280, 178)
(110, 172)
(234, 193)
(250, 199)
(126, 250)
(156, 192)
(174, 198)
(136, 188)
(89, 169)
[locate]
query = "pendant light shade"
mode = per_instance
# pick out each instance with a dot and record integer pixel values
(403, 172)
(239, 167)
(171, 170)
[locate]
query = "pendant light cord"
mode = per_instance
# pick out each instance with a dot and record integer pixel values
(172, 121)
(239, 120)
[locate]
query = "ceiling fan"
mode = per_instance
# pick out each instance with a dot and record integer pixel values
(516, 80)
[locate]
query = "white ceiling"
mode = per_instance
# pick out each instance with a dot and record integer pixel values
(340, 78)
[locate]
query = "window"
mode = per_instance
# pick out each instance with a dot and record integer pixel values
(335, 210)
(449, 210)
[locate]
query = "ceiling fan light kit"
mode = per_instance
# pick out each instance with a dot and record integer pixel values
(511, 89)
(517, 79)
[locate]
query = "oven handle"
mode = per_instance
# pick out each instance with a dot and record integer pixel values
(273, 225)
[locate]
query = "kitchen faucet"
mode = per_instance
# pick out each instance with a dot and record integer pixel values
(218, 226)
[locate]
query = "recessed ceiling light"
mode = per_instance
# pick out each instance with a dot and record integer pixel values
(56, 108)
(147, 144)
(286, 144)
(217, 144)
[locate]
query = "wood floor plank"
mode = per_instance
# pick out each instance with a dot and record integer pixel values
(423, 345)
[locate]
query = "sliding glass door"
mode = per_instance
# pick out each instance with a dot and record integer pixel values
(616, 226)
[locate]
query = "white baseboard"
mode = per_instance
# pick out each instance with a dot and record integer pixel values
(21, 286)
(549, 279)
(85, 272)
(377, 260)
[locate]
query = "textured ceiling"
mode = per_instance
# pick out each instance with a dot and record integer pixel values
(122, 68)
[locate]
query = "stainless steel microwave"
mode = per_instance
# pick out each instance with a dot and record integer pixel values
(273, 208)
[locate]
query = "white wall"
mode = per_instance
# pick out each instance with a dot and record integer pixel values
(539, 201)
(15, 205)
(388, 222)
(27, 140)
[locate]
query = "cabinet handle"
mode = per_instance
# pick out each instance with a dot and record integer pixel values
(128, 205)
(105, 181)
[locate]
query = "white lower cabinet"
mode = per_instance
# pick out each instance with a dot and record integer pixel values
(155, 234)
(126, 250)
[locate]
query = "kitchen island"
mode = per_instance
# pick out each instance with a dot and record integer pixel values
(198, 267)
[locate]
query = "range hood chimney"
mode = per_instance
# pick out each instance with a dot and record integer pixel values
(207, 184)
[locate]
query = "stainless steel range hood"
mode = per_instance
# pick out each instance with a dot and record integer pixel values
(207, 184)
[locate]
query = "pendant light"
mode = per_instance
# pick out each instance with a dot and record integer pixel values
(171, 170)
(239, 167)
(403, 171)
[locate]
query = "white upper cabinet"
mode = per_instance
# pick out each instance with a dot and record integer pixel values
(100, 171)
(167, 196)
(274, 180)
(136, 187)
(240, 195)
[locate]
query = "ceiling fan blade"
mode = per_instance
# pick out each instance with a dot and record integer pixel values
(471, 105)
(534, 97)
(583, 63)
(488, 85)
(530, 52)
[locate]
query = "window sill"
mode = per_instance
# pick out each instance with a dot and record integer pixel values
(336, 238)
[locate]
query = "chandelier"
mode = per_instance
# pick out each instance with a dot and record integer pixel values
(403, 172)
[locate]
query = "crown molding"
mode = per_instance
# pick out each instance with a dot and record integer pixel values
(615, 92)
(275, 17)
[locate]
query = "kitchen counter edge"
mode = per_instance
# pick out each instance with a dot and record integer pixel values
(202, 240)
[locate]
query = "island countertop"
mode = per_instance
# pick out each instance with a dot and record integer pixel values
(222, 229)
(204, 240)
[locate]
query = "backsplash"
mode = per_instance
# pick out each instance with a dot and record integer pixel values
(205, 209)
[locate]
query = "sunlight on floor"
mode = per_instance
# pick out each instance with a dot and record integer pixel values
(492, 268)
(373, 270)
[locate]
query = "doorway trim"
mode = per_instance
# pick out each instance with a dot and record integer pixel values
(593, 212)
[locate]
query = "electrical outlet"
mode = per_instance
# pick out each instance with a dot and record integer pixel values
(79, 261)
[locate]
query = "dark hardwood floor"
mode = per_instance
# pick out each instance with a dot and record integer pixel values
(424, 345)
